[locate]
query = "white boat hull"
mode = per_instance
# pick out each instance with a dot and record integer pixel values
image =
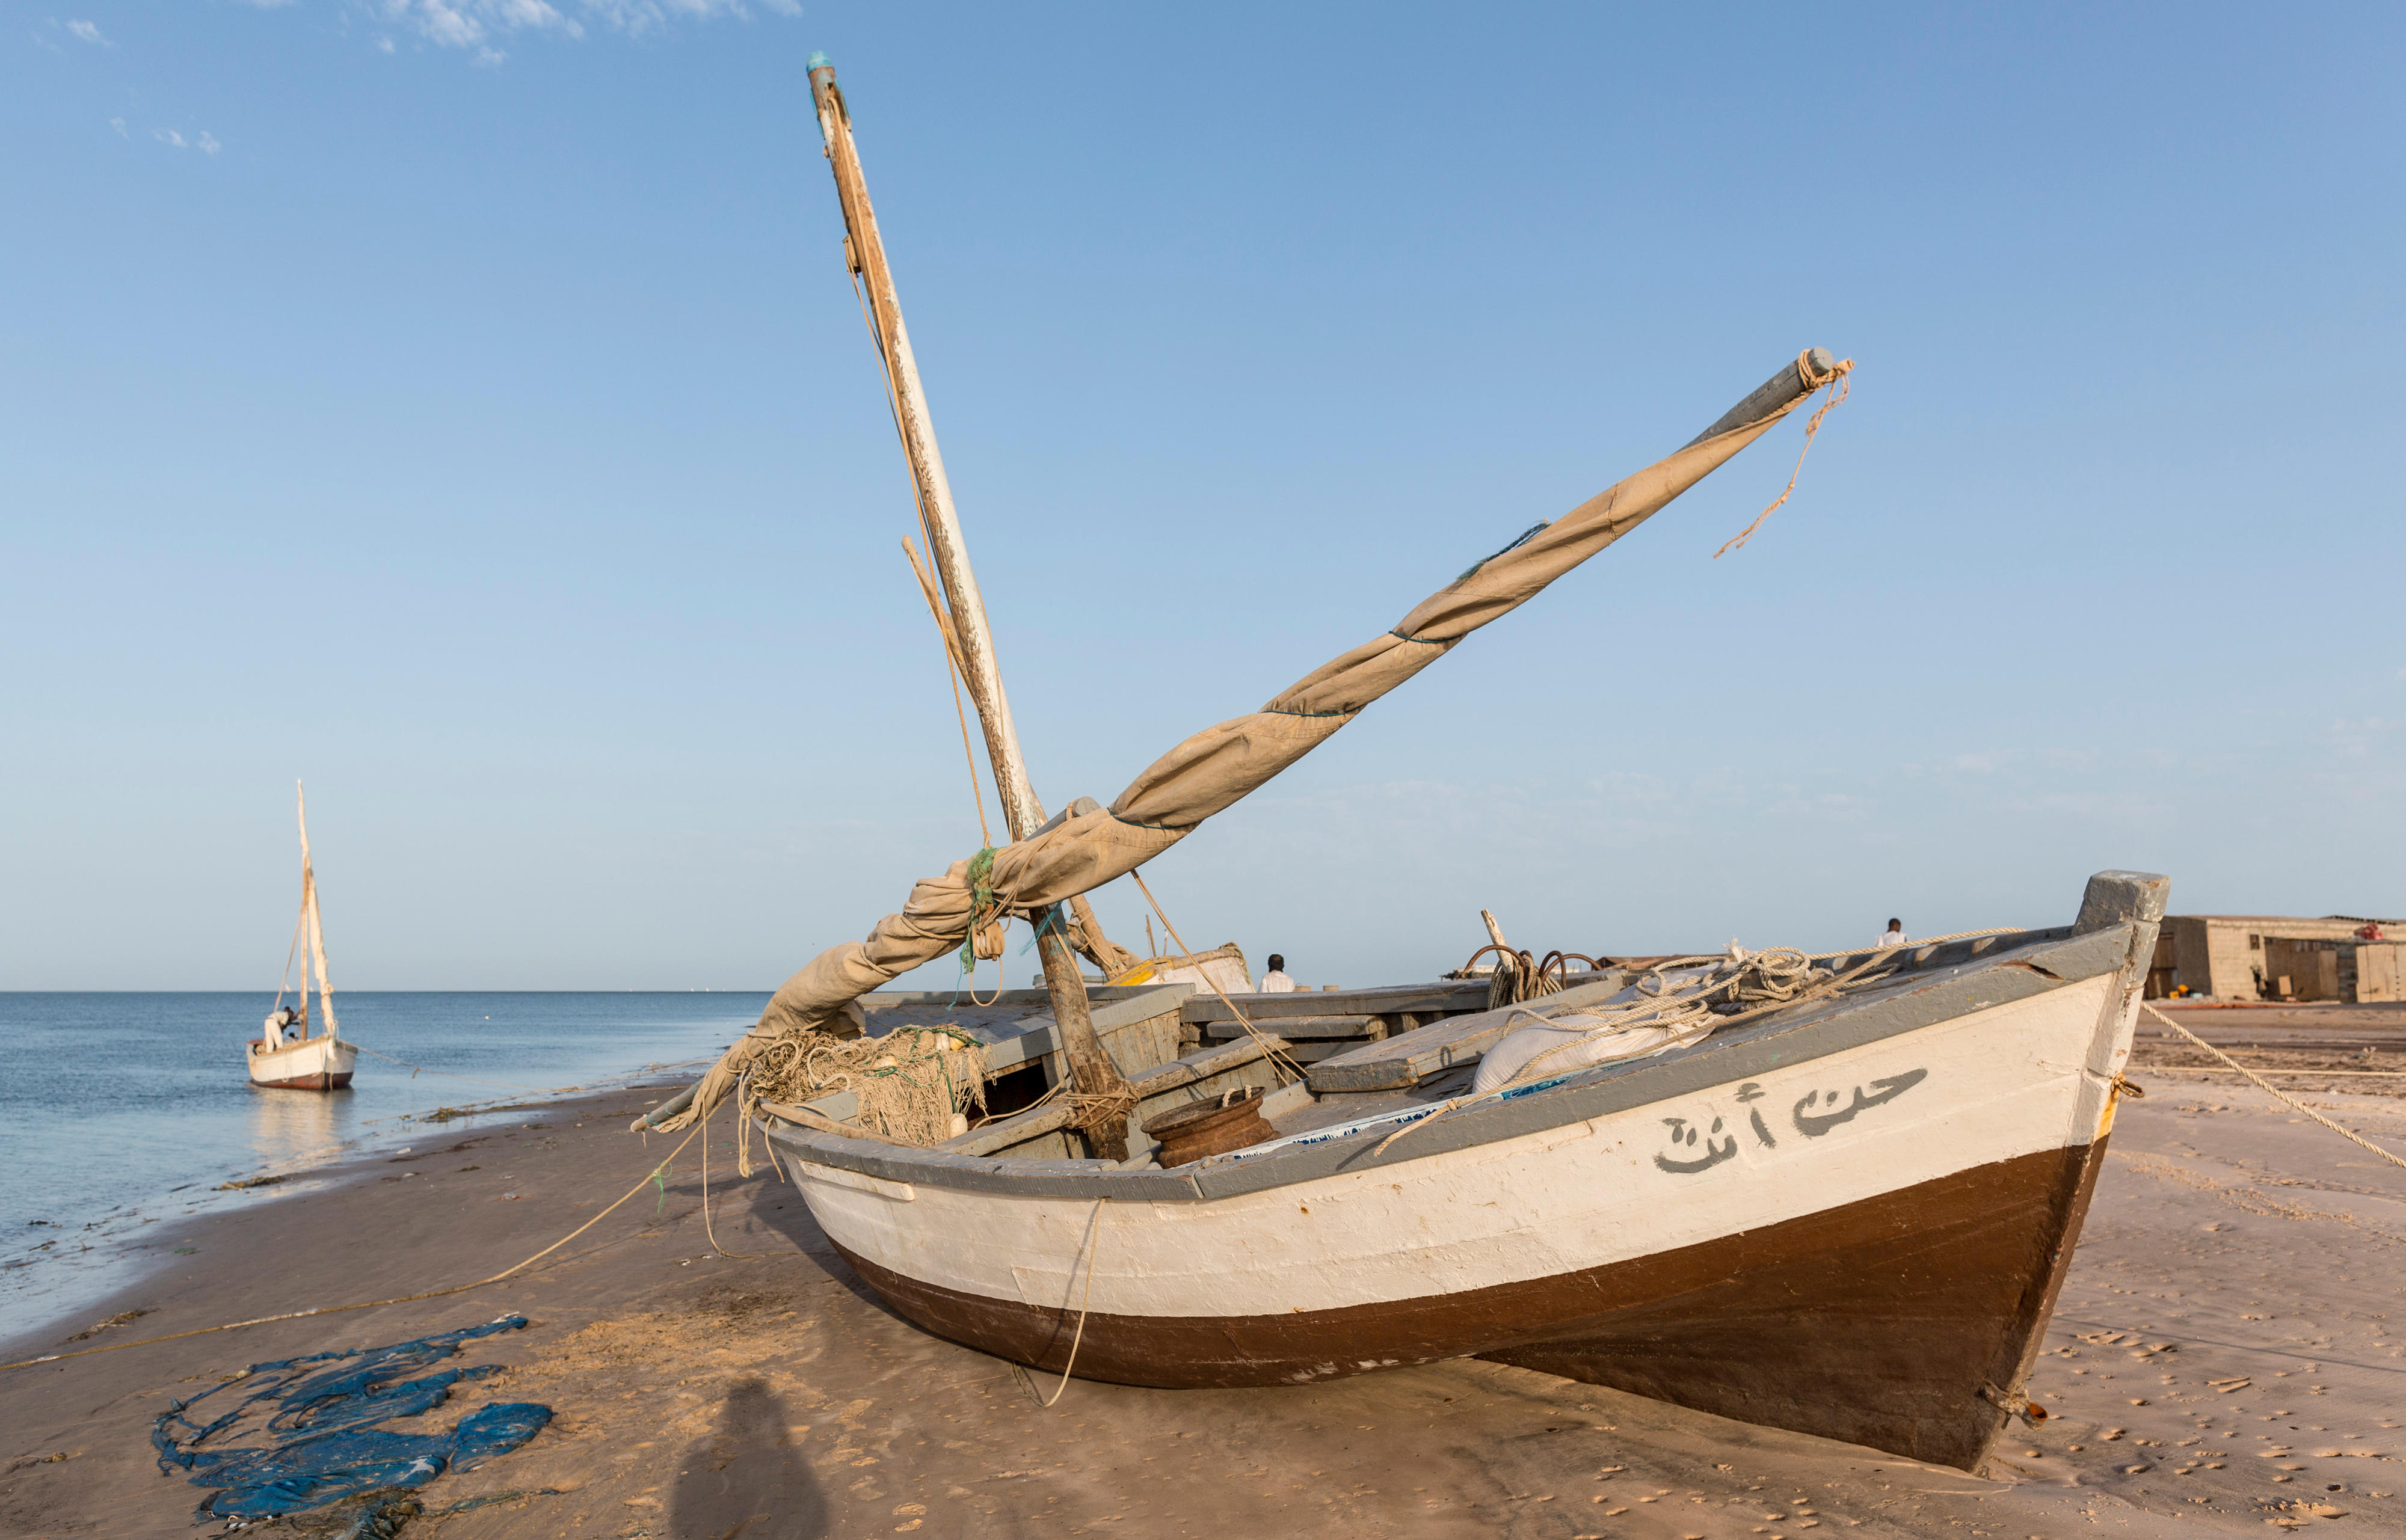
(314, 1063)
(2006, 1083)
(1856, 1228)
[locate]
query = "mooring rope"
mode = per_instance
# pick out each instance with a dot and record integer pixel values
(1094, 1238)
(2266, 1086)
(953, 671)
(2273, 1070)
(706, 1230)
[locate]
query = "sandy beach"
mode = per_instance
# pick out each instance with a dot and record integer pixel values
(2225, 1354)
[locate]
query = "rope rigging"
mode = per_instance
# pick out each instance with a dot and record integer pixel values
(1842, 374)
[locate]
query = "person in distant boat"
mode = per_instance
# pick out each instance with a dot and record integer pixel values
(1895, 936)
(1275, 982)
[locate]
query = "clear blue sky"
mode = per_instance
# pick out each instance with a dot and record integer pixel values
(462, 407)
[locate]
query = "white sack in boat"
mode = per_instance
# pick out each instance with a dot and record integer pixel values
(1214, 768)
(1581, 1043)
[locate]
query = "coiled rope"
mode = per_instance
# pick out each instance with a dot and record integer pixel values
(1521, 976)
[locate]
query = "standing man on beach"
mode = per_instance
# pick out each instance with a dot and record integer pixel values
(1275, 982)
(1894, 937)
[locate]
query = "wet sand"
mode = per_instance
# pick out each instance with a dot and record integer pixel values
(2222, 1358)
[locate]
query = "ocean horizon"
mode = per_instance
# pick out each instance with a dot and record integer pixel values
(124, 1107)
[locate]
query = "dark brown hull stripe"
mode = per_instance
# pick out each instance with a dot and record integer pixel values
(1879, 1323)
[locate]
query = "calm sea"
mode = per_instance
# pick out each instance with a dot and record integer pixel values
(120, 1108)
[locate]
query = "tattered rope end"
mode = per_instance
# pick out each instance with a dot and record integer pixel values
(1841, 372)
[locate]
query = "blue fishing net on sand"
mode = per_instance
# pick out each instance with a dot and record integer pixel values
(310, 1426)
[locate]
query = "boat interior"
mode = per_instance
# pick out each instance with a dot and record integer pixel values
(1366, 1053)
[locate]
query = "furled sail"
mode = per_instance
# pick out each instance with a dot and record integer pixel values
(1210, 770)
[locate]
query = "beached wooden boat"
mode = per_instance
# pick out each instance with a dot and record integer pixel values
(1849, 1216)
(1836, 1198)
(288, 1055)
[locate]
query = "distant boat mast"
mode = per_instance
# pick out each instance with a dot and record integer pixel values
(309, 914)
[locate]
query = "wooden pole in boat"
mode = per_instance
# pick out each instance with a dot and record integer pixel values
(1091, 1067)
(1508, 967)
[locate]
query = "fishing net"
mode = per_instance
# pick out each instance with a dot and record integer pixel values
(912, 1083)
(310, 1426)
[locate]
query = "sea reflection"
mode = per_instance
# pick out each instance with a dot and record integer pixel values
(293, 1130)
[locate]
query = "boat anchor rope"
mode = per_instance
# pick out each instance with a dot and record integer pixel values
(2348, 1134)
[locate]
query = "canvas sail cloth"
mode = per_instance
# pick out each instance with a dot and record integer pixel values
(1211, 770)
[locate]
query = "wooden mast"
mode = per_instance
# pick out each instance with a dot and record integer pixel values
(309, 912)
(1091, 1068)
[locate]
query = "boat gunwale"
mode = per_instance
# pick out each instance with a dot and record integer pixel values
(1943, 982)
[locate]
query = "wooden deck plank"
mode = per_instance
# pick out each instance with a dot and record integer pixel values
(1301, 1026)
(1441, 995)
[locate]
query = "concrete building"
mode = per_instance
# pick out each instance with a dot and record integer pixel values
(2342, 957)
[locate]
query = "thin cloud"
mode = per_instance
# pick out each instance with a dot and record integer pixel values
(205, 142)
(477, 25)
(118, 124)
(85, 31)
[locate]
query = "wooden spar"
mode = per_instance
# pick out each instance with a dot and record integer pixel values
(309, 911)
(865, 254)
(1091, 1067)
(1495, 931)
(1771, 394)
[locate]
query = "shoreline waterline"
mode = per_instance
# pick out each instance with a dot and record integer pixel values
(125, 1110)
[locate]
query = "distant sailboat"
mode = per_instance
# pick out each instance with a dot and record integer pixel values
(285, 1057)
